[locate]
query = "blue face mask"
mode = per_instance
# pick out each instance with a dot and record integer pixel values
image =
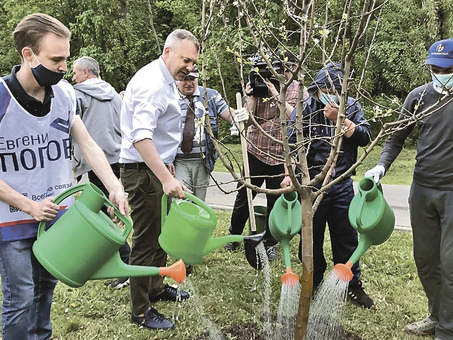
(326, 98)
(443, 80)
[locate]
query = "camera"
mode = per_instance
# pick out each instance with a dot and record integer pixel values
(259, 71)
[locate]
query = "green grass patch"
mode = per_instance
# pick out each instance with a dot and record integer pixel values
(226, 291)
(229, 292)
(399, 173)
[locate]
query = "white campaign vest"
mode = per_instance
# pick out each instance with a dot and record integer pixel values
(34, 156)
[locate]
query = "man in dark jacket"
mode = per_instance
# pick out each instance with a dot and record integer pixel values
(320, 117)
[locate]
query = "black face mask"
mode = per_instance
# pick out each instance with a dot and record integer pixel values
(44, 76)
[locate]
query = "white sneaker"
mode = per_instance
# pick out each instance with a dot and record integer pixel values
(426, 326)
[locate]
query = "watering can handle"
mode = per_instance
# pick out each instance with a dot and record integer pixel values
(363, 200)
(201, 203)
(163, 209)
(191, 197)
(80, 187)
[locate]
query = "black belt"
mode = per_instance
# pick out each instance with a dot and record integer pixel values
(189, 156)
(135, 166)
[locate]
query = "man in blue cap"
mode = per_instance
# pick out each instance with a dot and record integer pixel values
(320, 118)
(431, 195)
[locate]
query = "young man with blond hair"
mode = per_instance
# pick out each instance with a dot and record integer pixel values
(37, 121)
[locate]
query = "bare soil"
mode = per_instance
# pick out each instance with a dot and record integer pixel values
(250, 331)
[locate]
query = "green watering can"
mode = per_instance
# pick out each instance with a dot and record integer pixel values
(285, 221)
(372, 217)
(260, 213)
(187, 230)
(83, 243)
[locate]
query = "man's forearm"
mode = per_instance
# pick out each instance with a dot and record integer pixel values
(14, 198)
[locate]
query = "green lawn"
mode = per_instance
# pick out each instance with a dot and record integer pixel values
(229, 292)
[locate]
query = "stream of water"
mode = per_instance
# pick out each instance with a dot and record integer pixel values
(267, 316)
(212, 330)
(287, 311)
(327, 309)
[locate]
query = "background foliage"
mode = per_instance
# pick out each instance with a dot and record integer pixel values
(124, 35)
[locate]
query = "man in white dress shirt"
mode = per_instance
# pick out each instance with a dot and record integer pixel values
(151, 133)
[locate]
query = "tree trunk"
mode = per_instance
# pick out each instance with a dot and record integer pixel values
(306, 278)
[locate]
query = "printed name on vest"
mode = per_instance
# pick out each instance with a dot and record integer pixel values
(32, 151)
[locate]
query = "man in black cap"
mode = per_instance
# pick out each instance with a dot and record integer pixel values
(431, 195)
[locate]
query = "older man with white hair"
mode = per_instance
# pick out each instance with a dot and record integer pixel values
(151, 133)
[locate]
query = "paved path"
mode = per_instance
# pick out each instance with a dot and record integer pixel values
(395, 195)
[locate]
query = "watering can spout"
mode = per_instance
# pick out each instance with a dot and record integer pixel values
(218, 242)
(177, 271)
(343, 271)
(254, 240)
(362, 247)
(289, 279)
(215, 243)
(115, 267)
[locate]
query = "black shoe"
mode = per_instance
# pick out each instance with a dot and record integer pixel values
(152, 319)
(118, 283)
(358, 296)
(271, 252)
(231, 246)
(169, 294)
(188, 269)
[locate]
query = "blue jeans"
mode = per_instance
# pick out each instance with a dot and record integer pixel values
(27, 293)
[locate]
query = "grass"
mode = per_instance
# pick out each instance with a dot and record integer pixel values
(229, 292)
(399, 173)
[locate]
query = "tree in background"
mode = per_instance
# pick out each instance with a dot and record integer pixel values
(351, 32)
(126, 34)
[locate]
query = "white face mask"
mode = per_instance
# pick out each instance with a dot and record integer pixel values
(326, 98)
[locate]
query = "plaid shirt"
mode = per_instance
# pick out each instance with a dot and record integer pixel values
(267, 116)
